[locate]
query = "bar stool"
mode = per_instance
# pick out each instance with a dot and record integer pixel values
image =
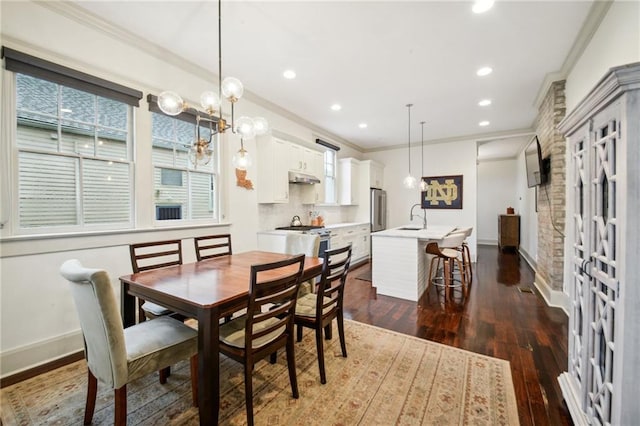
(447, 253)
(466, 254)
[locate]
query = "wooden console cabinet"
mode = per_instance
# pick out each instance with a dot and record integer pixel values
(509, 231)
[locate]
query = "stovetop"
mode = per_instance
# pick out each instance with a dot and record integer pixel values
(300, 228)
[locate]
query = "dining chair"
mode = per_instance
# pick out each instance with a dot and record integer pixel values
(307, 244)
(318, 310)
(262, 331)
(211, 246)
(116, 355)
(154, 255)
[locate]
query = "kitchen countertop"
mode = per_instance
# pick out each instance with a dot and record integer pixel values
(433, 232)
(329, 227)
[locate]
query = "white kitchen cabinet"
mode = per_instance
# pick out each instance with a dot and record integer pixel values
(301, 159)
(349, 181)
(374, 172)
(357, 235)
(272, 183)
(315, 193)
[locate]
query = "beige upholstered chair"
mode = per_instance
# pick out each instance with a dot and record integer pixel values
(268, 323)
(307, 244)
(318, 310)
(115, 355)
(212, 246)
(466, 254)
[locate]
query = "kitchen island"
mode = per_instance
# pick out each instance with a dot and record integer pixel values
(399, 264)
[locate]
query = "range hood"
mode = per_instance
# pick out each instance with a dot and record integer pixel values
(297, 177)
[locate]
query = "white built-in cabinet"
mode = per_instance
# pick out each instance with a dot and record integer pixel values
(356, 235)
(602, 383)
(376, 173)
(315, 193)
(272, 170)
(349, 181)
(274, 160)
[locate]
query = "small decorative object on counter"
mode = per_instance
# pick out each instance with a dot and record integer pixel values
(510, 210)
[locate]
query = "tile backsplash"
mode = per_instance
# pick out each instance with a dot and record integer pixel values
(275, 215)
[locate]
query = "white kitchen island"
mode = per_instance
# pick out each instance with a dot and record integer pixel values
(399, 263)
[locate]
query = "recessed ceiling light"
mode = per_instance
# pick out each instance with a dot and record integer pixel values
(484, 71)
(481, 6)
(362, 125)
(485, 102)
(483, 123)
(289, 74)
(336, 107)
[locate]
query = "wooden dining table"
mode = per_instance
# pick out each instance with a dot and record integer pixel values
(205, 290)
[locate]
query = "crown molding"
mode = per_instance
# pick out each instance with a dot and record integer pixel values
(476, 137)
(597, 12)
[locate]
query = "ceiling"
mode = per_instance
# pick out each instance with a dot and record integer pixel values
(374, 57)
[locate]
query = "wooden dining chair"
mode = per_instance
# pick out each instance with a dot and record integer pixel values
(211, 246)
(262, 331)
(116, 355)
(318, 310)
(307, 244)
(154, 255)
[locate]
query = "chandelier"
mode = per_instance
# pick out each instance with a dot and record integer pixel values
(231, 89)
(409, 181)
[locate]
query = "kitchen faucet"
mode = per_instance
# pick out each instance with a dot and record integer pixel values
(424, 216)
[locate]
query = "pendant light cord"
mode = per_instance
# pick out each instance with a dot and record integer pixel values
(220, 56)
(422, 152)
(409, 137)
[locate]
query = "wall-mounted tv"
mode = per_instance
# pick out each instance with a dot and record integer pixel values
(537, 168)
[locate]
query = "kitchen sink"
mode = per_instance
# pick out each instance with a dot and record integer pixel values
(409, 229)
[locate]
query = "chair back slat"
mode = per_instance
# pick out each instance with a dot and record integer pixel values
(154, 255)
(211, 246)
(274, 283)
(332, 282)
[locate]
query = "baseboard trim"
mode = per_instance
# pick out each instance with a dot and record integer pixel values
(41, 369)
(553, 298)
(487, 242)
(572, 400)
(28, 357)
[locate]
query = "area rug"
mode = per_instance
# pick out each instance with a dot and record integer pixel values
(388, 378)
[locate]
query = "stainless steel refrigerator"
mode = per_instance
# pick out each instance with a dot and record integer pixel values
(378, 210)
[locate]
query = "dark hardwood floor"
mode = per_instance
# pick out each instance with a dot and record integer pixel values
(495, 319)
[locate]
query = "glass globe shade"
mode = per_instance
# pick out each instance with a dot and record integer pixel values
(200, 154)
(232, 89)
(241, 159)
(245, 128)
(170, 103)
(261, 125)
(423, 185)
(210, 101)
(409, 182)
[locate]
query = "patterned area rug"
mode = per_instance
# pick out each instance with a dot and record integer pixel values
(387, 378)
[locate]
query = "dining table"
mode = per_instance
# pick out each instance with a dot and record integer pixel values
(207, 291)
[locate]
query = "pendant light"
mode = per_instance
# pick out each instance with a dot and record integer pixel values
(423, 183)
(409, 182)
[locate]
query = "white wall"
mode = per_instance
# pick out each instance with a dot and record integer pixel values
(496, 192)
(526, 208)
(455, 158)
(616, 42)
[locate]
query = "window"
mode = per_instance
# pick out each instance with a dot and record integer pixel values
(181, 191)
(330, 177)
(74, 158)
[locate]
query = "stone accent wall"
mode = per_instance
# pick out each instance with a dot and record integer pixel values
(551, 196)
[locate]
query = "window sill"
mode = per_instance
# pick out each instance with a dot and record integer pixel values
(22, 245)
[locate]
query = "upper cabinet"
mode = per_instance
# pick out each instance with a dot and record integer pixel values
(302, 159)
(315, 166)
(374, 172)
(349, 181)
(273, 170)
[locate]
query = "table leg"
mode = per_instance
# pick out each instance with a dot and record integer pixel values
(208, 366)
(128, 306)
